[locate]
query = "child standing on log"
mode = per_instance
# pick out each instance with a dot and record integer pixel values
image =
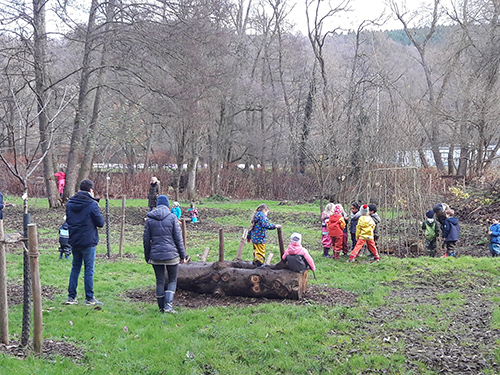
(298, 258)
(257, 233)
(494, 233)
(364, 234)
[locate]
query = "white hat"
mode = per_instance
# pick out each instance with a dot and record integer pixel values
(296, 237)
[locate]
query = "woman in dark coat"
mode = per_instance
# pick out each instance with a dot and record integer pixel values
(164, 248)
(154, 191)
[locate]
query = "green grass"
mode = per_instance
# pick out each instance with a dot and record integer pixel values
(397, 300)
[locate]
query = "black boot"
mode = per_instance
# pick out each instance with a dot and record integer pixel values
(161, 303)
(325, 252)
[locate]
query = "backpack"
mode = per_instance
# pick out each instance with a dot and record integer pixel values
(430, 231)
(297, 262)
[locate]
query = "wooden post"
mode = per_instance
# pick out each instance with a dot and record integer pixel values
(221, 245)
(35, 288)
(242, 244)
(269, 259)
(122, 229)
(4, 304)
(183, 228)
(205, 254)
(280, 240)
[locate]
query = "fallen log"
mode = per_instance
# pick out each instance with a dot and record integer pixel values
(242, 278)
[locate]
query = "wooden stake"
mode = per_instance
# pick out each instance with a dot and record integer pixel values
(122, 229)
(221, 245)
(4, 304)
(269, 258)
(183, 228)
(241, 245)
(205, 254)
(280, 240)
(35, 288)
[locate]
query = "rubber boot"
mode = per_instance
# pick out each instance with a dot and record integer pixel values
(161, 303)
(336, 254)
(325, 252)
(169, 300)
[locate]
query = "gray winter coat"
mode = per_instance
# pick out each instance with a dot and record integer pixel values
(162, 237)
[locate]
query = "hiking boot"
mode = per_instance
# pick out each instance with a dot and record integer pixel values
(71, 301)
(257, 263)
(350, 260)
(93, 302)
(169, 309)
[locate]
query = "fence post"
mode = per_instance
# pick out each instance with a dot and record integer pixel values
(221, 245)
(35, 288)
(280, 241)
(122, 229)
(4, 304)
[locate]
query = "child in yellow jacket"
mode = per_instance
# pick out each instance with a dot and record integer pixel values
(364, 234)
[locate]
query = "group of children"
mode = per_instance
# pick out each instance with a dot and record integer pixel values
(363, 227)
(448, 225)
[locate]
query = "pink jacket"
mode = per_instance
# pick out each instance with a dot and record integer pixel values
(295, 248)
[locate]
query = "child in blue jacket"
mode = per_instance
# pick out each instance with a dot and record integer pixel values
(451, 233)
(494, 233)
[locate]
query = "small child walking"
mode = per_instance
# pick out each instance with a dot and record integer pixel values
(431, 230)
(64, 246)
(336, 225)
(176, 209)
(494, 233)
(326, 241)
(451, 233)
(193, 213)
(364, 234)
(257, 233)
(296, 256)
(355, 215)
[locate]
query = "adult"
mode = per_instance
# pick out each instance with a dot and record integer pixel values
(164, 249)
(61, 181)
(154, 191)
(83, 218)
(1, 206)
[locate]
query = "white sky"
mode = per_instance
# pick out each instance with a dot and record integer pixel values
(361, 10)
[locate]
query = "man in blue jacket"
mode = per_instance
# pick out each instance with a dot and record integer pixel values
(83, 218)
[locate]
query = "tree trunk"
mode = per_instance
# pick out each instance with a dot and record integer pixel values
(240, 278)
(75, 147)
(191, 184)
(40, 61)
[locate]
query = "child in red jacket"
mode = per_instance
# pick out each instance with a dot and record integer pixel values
(336, 225)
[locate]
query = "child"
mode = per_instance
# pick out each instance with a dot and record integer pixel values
(451, 233)
(355, 214)
(326, 241)
(61, 181)
(298, 258)
(494, 233)
(431, 233)
(364, 234)
(176, 210)
(372, 210)
(64, 246)
(336, 225)
(193, 213)
(259, 224)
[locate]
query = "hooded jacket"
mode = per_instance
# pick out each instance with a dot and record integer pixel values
(295, 248)
(162, 237)
(261, 224)
(365, 228)
(376, 219)
(495, 233)
(354, 221)
(336, 225)
(83, 218)
(451, 229)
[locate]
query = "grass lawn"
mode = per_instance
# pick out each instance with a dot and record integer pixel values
(411, 316)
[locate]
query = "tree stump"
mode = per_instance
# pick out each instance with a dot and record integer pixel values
(242, 278)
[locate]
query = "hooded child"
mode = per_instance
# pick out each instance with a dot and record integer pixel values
(364, 234)
(451, 233)
(295, 251)
(494, 233)
(431, 230)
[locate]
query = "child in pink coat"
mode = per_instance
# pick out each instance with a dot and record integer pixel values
(295, 248)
